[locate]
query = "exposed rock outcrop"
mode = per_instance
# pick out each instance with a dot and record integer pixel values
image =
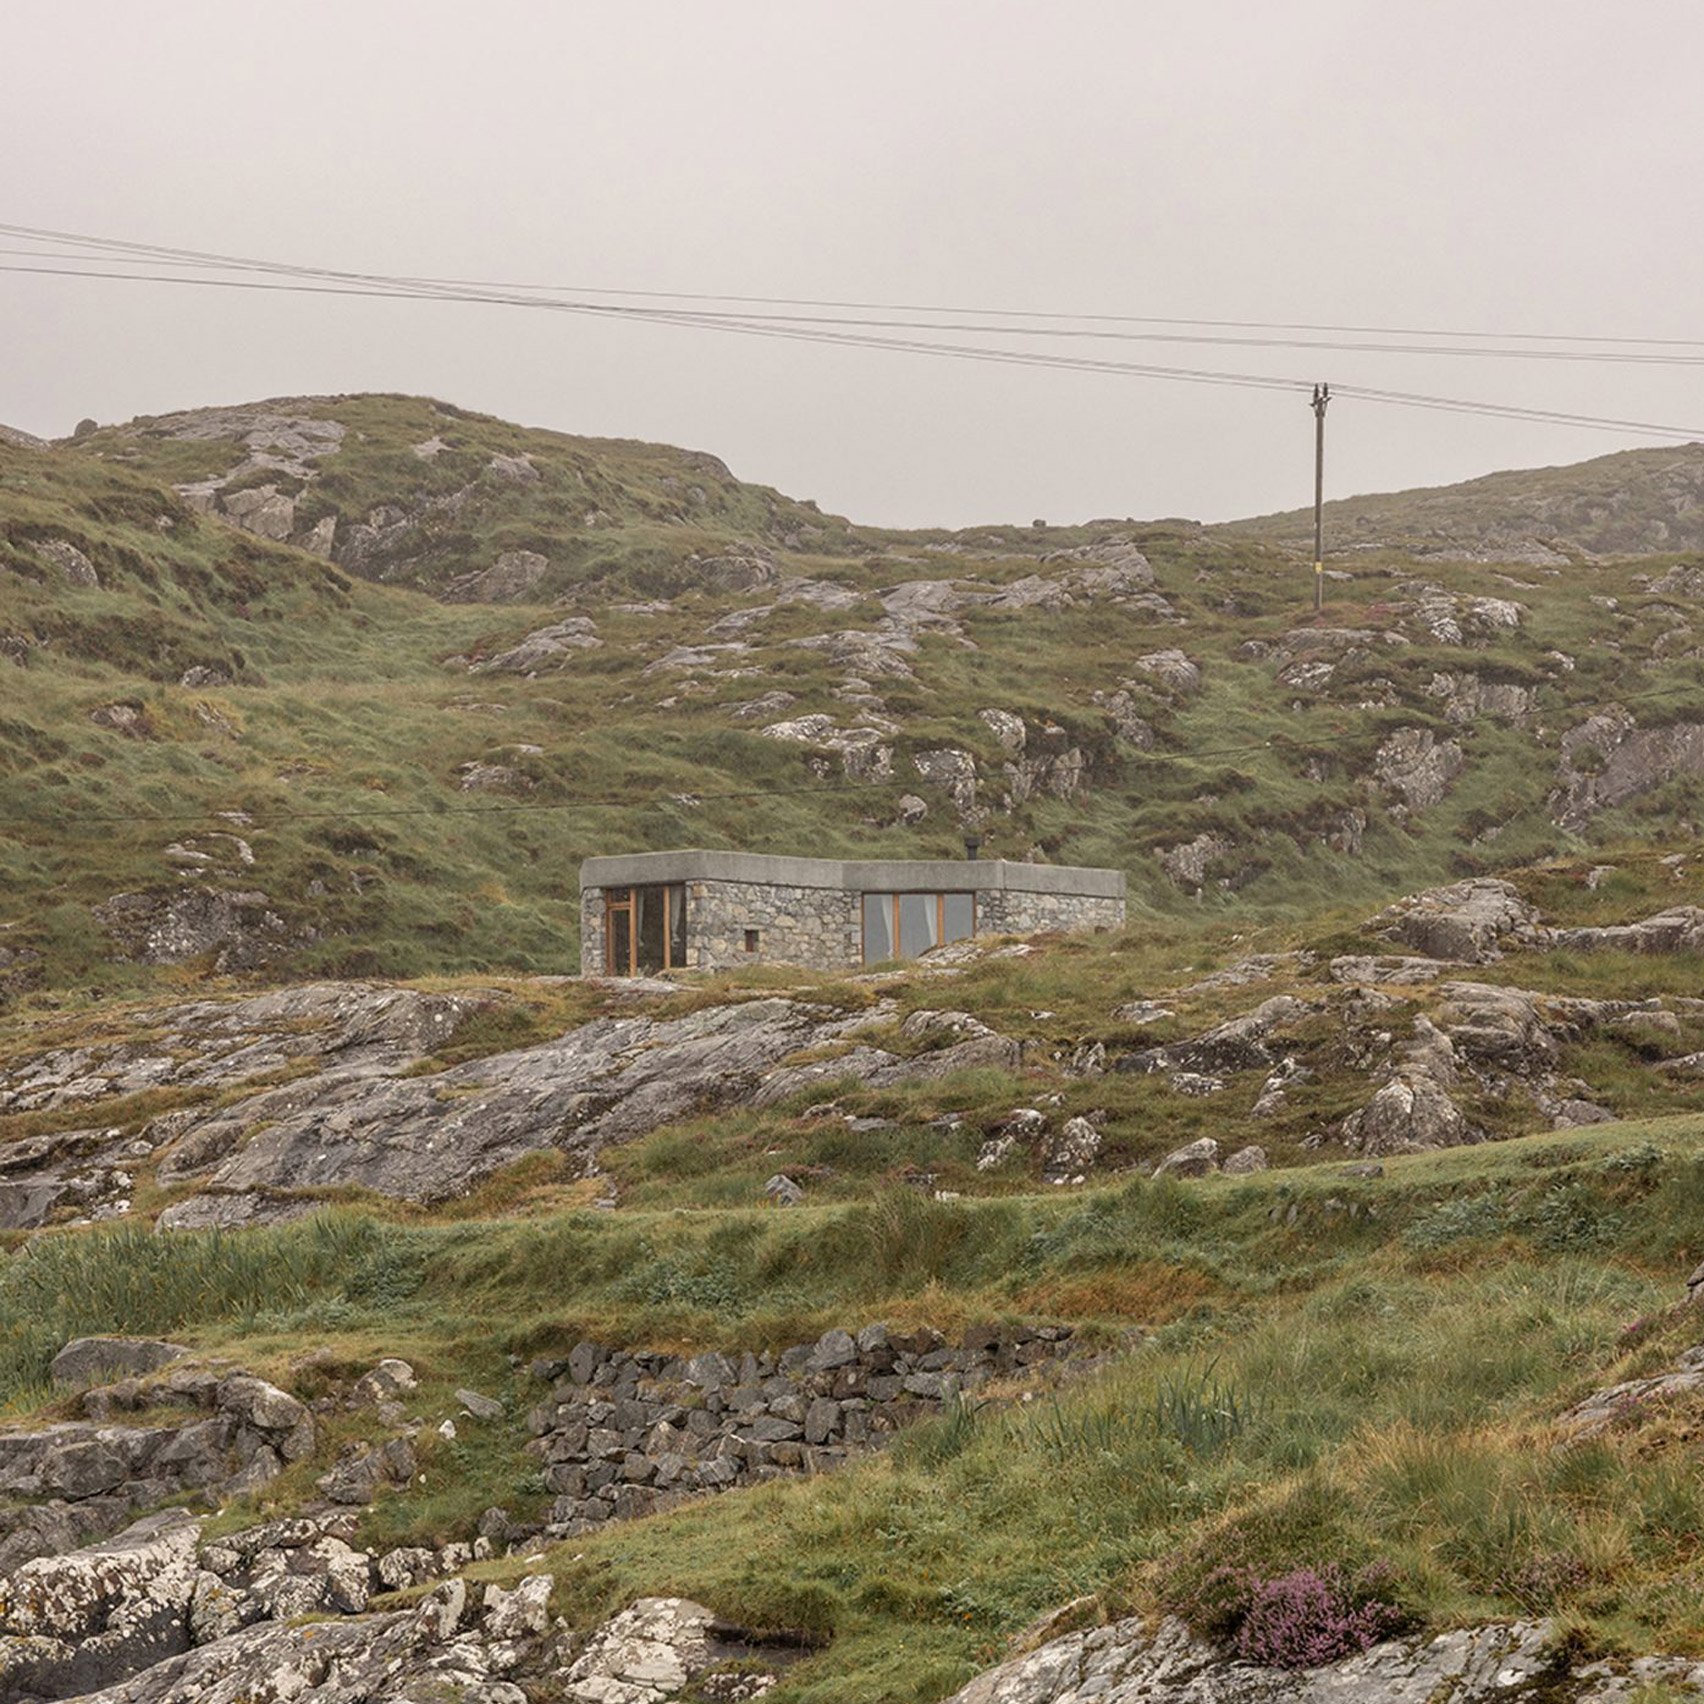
(1470, 921)
(1417, 766)
(544, 648)
(70, 1625)
(429, 1138)
(1130, 1662)
(1410, 1114)
(1608, 759)
(171, 925)
(238, 1432)
(1187, 865)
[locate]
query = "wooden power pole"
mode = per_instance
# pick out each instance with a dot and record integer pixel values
(1321, 396)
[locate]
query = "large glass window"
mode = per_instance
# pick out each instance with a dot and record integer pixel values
(645, 929)
(902, 925)
(919, 923)
(878, 927)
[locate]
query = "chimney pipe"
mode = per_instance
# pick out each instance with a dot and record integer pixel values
(972, 845)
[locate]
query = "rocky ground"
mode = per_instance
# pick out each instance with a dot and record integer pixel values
(283, 1097)
(171, 1609)
(336, 692)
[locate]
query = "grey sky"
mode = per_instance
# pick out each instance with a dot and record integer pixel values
(1519, 165)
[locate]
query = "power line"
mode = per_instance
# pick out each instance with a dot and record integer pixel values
(969, 352)
(515, 295)
(195, 257)
(443, 290)
(288, 278)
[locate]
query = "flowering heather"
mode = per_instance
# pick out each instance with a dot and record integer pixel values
(1311, 1616)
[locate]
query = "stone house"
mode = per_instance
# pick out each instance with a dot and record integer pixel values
(651, 911)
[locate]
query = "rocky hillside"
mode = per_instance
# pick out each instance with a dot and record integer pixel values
(230, 750)
(1283, 1299)
(1632, 503)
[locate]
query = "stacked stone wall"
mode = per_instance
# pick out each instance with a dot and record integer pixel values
(1013, 911)
(822, 927)
(815, 926)
(627, 1433)
(592, 931)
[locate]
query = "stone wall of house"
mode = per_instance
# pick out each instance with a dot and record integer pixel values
(823, 926)
(625, 1433)
(815, 926)
(591, 931)
(1013, 911)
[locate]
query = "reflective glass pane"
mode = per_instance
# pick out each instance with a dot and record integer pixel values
(919, 923)
(878, 927)
(619, 955)
(649, 926)
(677, 926)
(960, 909)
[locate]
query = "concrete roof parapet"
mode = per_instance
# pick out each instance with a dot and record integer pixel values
(863, 875)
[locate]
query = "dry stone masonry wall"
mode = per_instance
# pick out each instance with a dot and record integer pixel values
(810, 911)
(1013, 911)
(625, 1433)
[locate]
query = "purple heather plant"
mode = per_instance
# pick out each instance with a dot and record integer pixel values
(1311, 1616)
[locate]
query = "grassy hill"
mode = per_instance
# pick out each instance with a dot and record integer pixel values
(381, 746)
(198, 707)
(1631, 503)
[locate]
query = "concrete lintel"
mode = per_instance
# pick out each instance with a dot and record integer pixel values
(861, 875)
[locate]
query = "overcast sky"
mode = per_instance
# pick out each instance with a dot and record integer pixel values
(1505, 165)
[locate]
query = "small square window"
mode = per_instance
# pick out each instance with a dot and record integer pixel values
(751, 941)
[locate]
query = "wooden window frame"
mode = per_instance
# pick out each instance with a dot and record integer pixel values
(940, 898)
(626, 899)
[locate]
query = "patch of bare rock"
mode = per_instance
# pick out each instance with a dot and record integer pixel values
(429, 1138)
(1609, 759)
(544, 649)
(1134, 1662)
(510, 579)
(73, 1480)
(1471, 921)
(239, 927)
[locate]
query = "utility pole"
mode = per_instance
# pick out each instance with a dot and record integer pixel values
(1321, 396)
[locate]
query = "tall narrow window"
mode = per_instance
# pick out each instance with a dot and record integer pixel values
(919, 923)
(878, 927)
(677, 925)
(645, 929)
(958, 916)
(618, 932)
(650, 926)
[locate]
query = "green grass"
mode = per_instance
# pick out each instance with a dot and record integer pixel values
(346, 723)
(1372, 1378)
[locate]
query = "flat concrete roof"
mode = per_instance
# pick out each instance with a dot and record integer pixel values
(860, 875)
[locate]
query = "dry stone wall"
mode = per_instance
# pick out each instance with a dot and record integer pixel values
(1013, 911)
(625, 1433)
(823, 926)
(797, 925)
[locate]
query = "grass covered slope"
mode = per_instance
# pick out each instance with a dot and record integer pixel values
(1630, 503)
(1355, 1365)
(1330, 1370)
(416, 797)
